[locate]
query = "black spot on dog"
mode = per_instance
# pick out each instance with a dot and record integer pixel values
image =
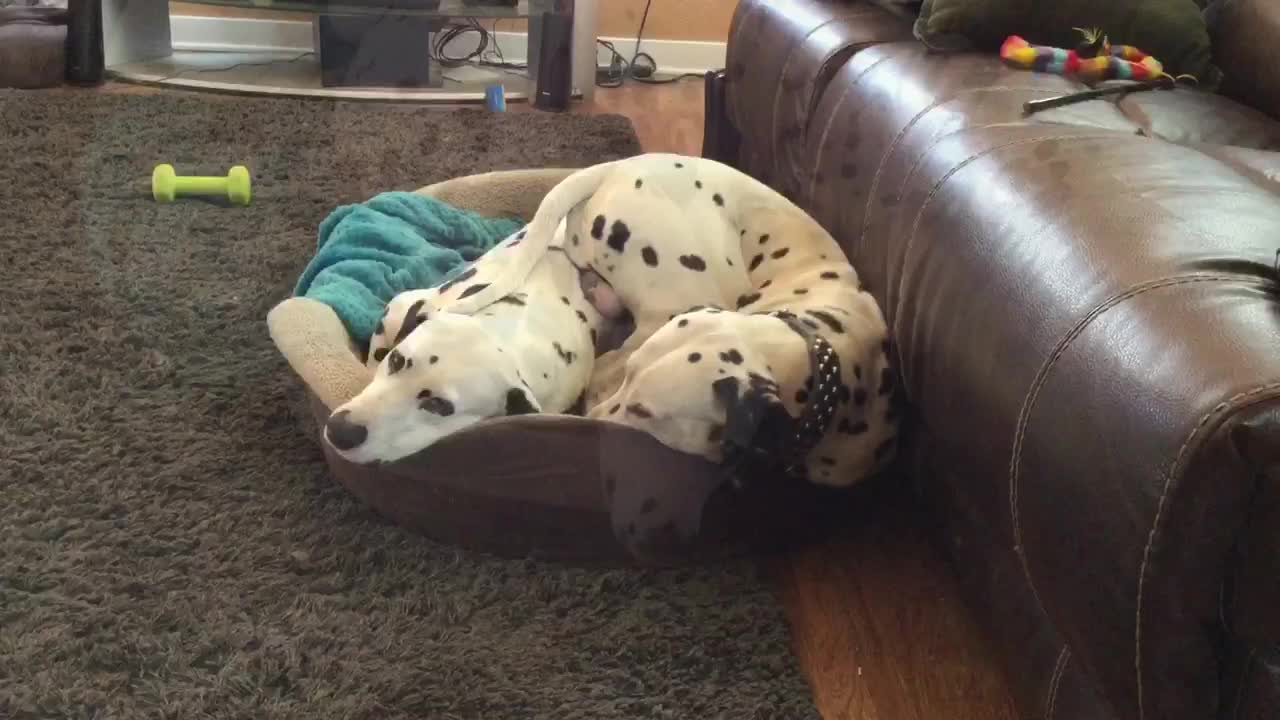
(639, 411)
(619, 233)
(747, 299)
(884, 448)
(801, 291)
(512, 300)
(576, 239)
(730, 261)
(465, 276)
(613, 410)
(650, 256)
(843, 394)
(473, 290)
(593, 337)
(679, 165)
(886, 382)
(564, 300)
(408, 363)
(827, 319)
(732, 356)
(693, 262)
(433, 359)
(683, 322)
(609, 268)
(718, 199)
(434, 404)
(648, 506)
(518, 403)
(379, 328)
(829, 275)
(764, 238)
(827, 461)
(380, 354)
(715, 434)
(802, 397)
(851, 428)
(859, 396)
(697, 184)
(755, 262)
(695, 357)
(639, 182)
(765, 284)
(597, 227)
(581, 315)
(566, 355)
(411, 322)
(780, 253)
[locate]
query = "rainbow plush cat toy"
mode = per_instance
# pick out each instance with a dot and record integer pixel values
(1094, 60)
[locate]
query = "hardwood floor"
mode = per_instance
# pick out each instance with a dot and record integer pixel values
(876, 617)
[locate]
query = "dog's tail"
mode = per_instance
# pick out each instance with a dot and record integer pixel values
(570, 192)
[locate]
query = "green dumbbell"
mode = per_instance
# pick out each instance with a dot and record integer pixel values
(166, 185)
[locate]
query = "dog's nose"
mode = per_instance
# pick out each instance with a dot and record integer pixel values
(344, 434)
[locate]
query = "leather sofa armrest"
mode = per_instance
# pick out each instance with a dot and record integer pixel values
(1246, 45)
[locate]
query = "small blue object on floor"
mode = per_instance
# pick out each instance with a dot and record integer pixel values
(495, 98)
(396, 241)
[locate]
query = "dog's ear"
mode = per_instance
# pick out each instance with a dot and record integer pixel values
(412, 319)
(519, 403)
(754, 419)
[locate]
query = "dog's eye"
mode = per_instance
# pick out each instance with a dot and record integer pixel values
(395, 362)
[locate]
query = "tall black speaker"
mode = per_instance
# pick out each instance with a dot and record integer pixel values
(555, 63)
(84, 42)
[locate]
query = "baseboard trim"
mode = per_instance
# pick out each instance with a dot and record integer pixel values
(222, 34)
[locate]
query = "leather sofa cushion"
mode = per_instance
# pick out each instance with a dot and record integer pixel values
(1188, 116)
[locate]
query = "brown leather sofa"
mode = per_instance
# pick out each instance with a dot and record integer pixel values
(1084, 305)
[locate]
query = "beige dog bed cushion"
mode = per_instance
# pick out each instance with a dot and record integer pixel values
(549, 486)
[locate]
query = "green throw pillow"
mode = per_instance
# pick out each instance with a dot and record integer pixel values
(1173, 31)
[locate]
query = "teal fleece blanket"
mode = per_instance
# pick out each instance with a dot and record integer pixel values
(372, 251)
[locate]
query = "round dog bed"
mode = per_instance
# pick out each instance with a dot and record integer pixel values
(550, 486)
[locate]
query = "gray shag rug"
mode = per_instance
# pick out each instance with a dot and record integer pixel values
(171, 545)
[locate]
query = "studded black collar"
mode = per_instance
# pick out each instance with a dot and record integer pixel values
(764, 443)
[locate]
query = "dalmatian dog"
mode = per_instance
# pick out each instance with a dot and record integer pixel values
(439, 371)
(753, 337)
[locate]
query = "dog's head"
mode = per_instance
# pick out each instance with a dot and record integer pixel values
(448, 373)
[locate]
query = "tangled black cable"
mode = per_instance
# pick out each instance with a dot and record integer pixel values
(640, 68)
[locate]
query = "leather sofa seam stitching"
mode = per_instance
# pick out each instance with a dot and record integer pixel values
(1175, 473)
(1041, 378)
(782, 77)
(1244, 677)
(826, 129)
(1055, 681)
(915, 226)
